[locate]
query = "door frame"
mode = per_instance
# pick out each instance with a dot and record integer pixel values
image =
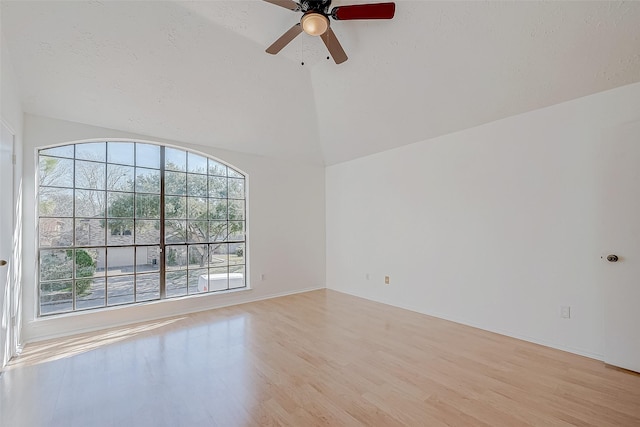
(619, 183)
(12, 258)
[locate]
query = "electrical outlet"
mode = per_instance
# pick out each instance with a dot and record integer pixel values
(263, 277)
(386, 280)
(565, 312)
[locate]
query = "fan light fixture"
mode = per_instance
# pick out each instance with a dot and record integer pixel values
(314, 24)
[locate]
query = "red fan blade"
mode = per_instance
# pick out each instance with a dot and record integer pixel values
(364, 11)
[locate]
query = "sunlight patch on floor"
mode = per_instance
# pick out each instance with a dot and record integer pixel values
(48, 351)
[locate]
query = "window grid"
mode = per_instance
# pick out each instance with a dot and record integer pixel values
(91, 257)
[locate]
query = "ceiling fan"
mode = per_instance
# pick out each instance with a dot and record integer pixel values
(315, 22)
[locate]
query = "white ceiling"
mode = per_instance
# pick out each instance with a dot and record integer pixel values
(197, 71)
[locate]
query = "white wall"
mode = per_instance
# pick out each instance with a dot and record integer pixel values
(494, 226)
(12, 117)
(286, 232)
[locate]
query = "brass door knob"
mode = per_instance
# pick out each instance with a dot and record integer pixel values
(3, 263)
(612, 258)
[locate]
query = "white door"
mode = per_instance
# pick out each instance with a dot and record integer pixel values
(6, 241)
(619, 235)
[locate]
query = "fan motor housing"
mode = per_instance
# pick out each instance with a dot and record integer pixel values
(315, 5)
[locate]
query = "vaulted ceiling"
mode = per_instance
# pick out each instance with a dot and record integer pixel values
(197, 71)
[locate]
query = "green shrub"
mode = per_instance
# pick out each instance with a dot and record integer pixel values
(85, 268)
(53, 269)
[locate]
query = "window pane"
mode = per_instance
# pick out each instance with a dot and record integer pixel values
(197, 231)
(176, 257)
(119, 205)
(147, 259)
(90, 232)
(120, 261)
(55, 232)
(56, 202)
(175, 183)
(196, 163)
(93, 294)
(196, 208)
(175, 231)
(56, 297)
(64, 151)
(148, 155)
(120, 178)
(218, 209)
(120, 290)
(235, 174)
(147, 206)
(176, 283)
(147, 180)
(120, 152)
(236, 230)
(218, 279)
(236, 253)
(175, 207)
(236, 276)
(219, 255)
(55, 172)
(90, 203)
(147, 232)
(89, 264)
(56, 264)
(236, 209)
(216, 168)
(217, 187)
(197, 281)
(196, 185)
(90, 175)
(198, 256)
(217, 231)
(95, 151)
(236, 188)
(175, 159)
(120, 232)
(147, 287)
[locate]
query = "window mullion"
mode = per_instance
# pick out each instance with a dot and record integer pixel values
(73, 235)
(163, 275)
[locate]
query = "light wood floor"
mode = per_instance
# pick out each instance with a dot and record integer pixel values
(319, 358)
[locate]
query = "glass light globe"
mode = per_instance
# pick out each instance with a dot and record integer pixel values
(314, 23)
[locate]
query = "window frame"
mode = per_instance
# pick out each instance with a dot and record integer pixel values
(231, 172)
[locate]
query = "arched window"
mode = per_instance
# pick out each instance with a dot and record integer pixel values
(122, 222)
